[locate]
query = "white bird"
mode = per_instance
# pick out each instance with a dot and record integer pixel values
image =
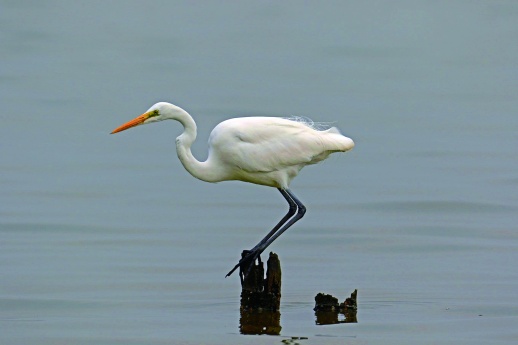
(268, 151)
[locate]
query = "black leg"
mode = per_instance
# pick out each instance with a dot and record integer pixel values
(300, 213)
(295, 207)
(292, 210)
(251, 253)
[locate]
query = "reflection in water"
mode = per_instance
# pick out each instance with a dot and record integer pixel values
(331, 317)
(260, 322)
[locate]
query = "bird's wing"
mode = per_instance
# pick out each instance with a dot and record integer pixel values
(259, 144)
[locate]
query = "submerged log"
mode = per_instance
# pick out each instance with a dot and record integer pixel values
(258, 292)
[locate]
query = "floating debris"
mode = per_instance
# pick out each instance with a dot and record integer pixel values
(327, 309)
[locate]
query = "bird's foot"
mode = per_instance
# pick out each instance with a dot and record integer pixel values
(246, 263)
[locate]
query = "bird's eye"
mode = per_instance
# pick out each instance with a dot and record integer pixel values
(154, 113)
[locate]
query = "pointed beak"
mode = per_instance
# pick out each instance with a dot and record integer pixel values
(135, 122)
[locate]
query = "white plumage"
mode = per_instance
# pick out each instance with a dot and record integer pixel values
(270, 151)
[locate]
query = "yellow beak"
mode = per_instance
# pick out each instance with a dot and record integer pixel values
(135, 122)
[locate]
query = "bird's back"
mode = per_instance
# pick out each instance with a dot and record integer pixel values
(270, 150)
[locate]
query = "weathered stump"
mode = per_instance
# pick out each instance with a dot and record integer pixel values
(261, 298)
(258, 292)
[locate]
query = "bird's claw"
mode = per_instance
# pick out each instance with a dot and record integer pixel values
(246, 263)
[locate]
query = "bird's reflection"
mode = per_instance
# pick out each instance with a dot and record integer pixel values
(260, 322)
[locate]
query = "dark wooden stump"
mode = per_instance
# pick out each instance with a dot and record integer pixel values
(261, 298)
(258, 292)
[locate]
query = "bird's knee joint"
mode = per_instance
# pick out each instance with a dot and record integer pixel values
(302, 210)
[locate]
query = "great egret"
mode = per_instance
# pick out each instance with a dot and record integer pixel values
(268, 151)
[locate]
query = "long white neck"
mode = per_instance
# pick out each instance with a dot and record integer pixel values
(200, 170)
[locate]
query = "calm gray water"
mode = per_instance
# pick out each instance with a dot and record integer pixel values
(105, 239)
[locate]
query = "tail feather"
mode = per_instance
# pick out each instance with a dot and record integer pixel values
(338, 141)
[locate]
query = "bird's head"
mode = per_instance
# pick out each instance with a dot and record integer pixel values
(158, 112)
